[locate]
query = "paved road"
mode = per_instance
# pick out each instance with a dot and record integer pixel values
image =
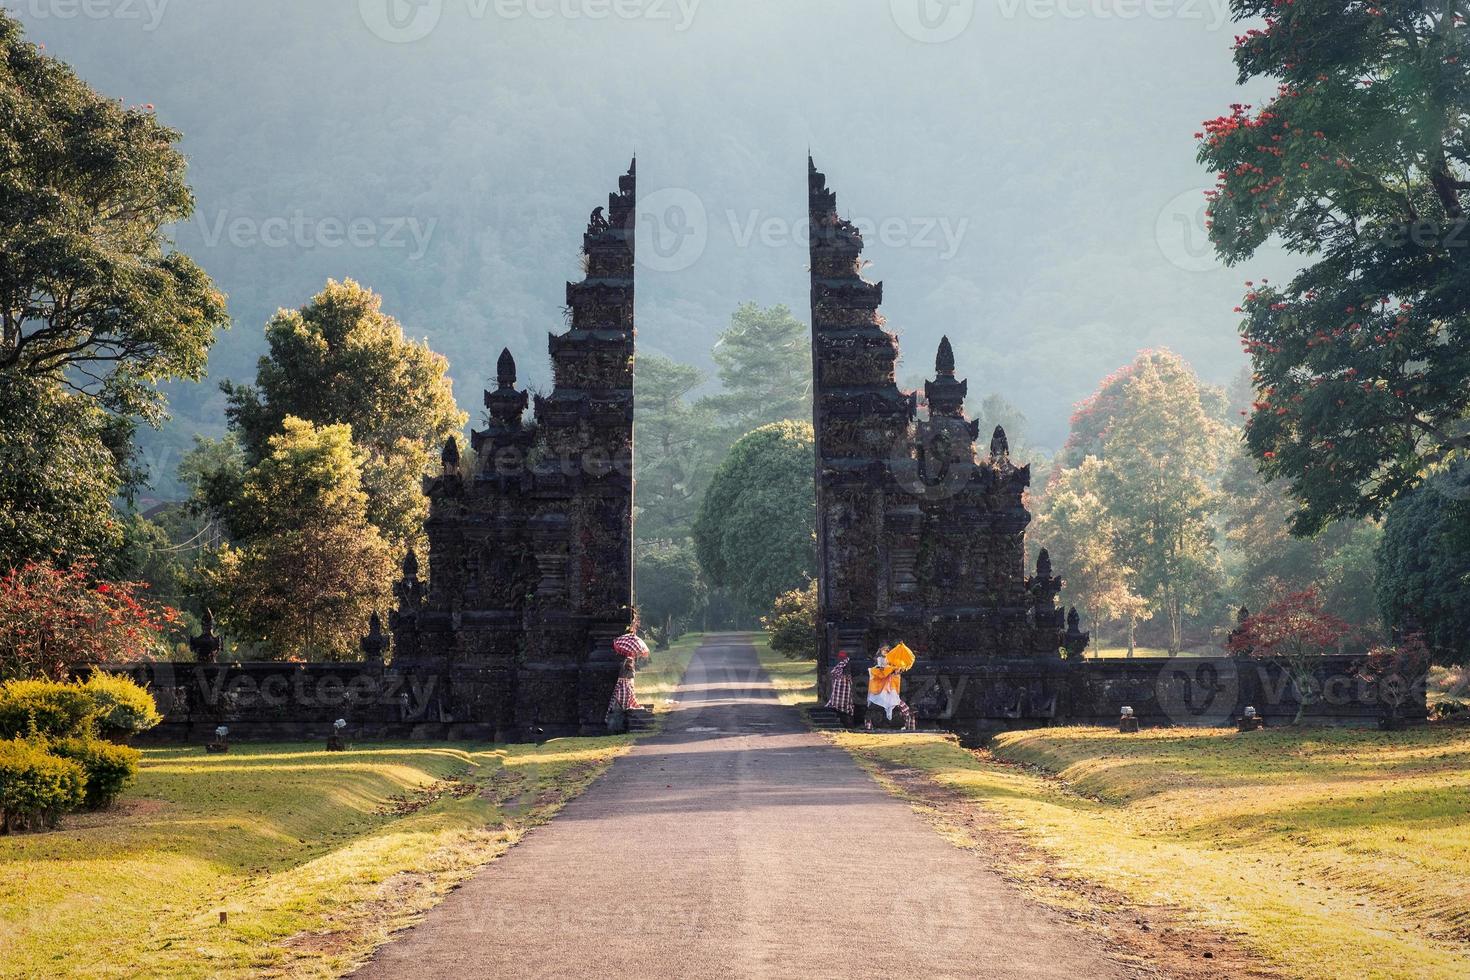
(736, 843)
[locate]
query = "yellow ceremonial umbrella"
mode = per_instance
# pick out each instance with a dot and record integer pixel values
(901, 657)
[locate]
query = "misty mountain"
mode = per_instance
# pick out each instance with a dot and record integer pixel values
(1029, 185)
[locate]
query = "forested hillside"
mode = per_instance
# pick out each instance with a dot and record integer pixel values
(1041, 225)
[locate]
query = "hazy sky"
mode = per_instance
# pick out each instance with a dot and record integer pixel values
(1026, 166)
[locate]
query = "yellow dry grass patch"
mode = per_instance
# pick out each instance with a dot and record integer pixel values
(315, 856)
(1332, 853)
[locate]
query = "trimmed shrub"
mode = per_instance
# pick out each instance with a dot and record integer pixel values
(124, 707)
(792, 624)
(57, 710)
(36, 787)
(109, 768)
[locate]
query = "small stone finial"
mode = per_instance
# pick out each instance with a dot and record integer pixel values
(505, 369)
(1074, 641)
(597, 222)
(1000, 446)
(411, 565)
(1243, 615)
(375, 644)
(1043, 564)
(450, 456)
(944, 360)
(206, 646)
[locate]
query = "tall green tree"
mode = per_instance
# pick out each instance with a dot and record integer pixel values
(765, 368)
(1094, 415)
(669, 588)
(305, 584)
(756, 531)
(341, 360)
(1074, 524)
(1423, 583)
(96, 309)
(1360, 163)
(92, 297)
(1163, 450)
(675, 449)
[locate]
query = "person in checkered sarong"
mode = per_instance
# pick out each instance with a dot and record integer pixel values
(624, 696)
(839, 695)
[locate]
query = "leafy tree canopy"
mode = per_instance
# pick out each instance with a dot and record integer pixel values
(91, 296)
(306, 582)
(675, 451)
(1424, 565)
(341, 359)
(669, 586)
(756, 530)
(1093, 417)
(1162, 446)
(57, 474)
(765, 367)
(1360, 161)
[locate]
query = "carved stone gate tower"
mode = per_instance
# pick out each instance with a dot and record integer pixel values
(530, 542)
(917, 538)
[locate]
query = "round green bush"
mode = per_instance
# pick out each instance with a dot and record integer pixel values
(45, 709)
(109, 767)
(36, 787)
(124, 707)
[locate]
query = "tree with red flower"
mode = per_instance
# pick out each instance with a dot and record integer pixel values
(1361, 163)
(54, 619)
(1294, 632)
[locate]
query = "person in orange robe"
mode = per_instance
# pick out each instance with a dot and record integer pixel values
(885, 679)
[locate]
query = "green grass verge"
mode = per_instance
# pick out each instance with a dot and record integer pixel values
(315, 856)
(795, 681)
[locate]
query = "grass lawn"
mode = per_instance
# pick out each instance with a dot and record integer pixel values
(1327, 852)
(315, 856)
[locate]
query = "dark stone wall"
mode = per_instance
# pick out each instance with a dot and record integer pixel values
(260, 701)
(991, 694)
